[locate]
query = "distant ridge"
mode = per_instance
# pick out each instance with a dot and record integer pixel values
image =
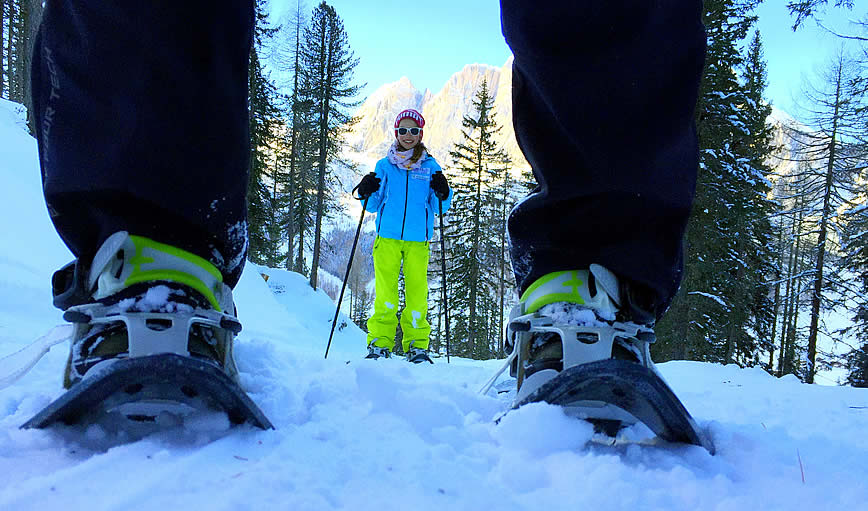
(443, 112)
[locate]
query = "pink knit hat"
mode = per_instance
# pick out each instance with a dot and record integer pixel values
(410, 114)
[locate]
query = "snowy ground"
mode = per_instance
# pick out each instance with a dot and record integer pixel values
(381, 435)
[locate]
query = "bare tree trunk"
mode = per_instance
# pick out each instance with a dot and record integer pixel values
(791, 301)
(326, 39)
(732, 331)
(290, 207)
(293, 151)
(21, 50)
(777, 302)
(795, 310)
(817, 296)
(34, 17)
(502, 273)
(11, 71)
(320, 212)
(2, 40)
(273, 246)
(796, 292)
(302, 219)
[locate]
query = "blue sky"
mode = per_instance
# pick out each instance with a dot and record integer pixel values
(430, 41)
(427, 41)
(793, 57)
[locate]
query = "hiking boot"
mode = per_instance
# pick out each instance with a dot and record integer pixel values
(375, 352)
(418, 355)
(569, 318)
(140, 298)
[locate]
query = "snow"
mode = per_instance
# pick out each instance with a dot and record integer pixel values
(570, 313)
(716, 298)
(387, 435)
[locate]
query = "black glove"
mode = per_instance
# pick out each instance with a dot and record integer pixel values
(369, 184)
(440, 185)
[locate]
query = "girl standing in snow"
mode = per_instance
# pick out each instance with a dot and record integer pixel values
(404, 191)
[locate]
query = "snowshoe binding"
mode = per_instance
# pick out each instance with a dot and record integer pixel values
(152, 343)
(418, 356)
(375, 352)
(575, 346)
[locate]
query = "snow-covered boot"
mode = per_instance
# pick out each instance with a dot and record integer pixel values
(154, 327)
(375, 352)
(418, 355)
(581, 340)
(569, 318)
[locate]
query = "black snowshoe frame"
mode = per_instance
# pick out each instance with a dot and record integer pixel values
(637, 391)
(157, 379)
(617, 385)
(156, 370)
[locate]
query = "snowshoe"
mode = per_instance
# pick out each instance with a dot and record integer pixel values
(152, 342)
(575, 346)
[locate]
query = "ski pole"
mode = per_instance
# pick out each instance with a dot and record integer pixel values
(346, 276)
(443, 267)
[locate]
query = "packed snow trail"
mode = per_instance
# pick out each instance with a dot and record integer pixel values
(388, 435)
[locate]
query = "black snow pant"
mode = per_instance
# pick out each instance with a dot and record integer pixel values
(603, 107)
(141, 109)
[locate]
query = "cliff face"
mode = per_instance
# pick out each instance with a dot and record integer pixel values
(444, 111)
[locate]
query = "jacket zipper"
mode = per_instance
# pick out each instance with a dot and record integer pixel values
(406, 193)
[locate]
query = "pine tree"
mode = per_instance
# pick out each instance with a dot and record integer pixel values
(857, 364)
(714, 312)
(289, 59)
(472, 273)
(304, 202)
(857, 260)
(263, 120)
(329, 63)
(750, 239)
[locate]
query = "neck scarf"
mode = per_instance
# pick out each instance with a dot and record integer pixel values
(402, 158)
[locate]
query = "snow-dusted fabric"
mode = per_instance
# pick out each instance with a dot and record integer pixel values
(402, 158)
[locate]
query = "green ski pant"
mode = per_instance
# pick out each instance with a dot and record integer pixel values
(388, 255)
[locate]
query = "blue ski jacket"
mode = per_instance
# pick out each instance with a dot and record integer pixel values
(405, 204)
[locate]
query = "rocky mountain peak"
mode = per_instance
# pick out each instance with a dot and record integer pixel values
(443, 111)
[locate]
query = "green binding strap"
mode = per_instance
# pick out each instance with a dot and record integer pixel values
(546, 290)
(195, 265)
